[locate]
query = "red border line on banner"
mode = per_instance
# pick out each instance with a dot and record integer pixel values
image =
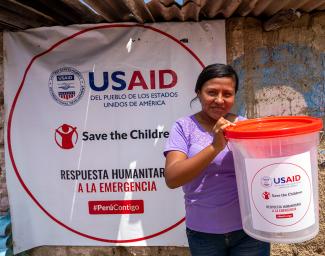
(14, 105)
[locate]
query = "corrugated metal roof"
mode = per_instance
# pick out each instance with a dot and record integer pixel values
(23, 14)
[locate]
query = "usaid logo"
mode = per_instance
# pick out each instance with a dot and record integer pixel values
(66, 86)
(287, 179)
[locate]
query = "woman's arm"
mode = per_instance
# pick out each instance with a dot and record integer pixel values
(180, 170)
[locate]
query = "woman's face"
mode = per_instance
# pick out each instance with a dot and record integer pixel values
(217, 96)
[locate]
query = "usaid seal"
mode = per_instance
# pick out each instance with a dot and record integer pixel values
(266, 181)
(66, 86)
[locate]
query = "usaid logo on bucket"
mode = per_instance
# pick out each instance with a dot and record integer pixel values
(267, 181)
(288, 179)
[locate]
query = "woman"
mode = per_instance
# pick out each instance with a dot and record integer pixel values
(198, 160)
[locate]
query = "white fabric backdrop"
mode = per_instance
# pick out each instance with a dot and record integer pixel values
(99, 100)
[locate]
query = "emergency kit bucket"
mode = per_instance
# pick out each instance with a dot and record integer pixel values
(277, 176)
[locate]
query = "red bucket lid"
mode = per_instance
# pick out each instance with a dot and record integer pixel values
(271, 127)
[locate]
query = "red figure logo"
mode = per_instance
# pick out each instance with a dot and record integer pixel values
(66, 136)
(266, 195)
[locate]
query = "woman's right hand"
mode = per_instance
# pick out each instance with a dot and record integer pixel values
(219, 140)
(179, 169)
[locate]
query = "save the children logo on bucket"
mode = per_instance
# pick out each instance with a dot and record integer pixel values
(287, 205)
(66, 136)
(66, 86)
(266, 195)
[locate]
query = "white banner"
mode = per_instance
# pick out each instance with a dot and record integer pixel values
(88, 110)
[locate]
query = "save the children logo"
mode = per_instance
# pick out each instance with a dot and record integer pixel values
(66, 136)
(266, 195)
(66, 86)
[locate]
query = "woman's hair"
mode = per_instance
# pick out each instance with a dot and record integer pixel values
(213, 71)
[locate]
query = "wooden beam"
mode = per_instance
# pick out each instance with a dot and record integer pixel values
(12, 20)
(60, 12)
(7, 26)
(112, 11)
(17, 16)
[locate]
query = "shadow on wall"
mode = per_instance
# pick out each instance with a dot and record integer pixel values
(286, 80)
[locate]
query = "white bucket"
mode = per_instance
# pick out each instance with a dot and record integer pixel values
(277, 176)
